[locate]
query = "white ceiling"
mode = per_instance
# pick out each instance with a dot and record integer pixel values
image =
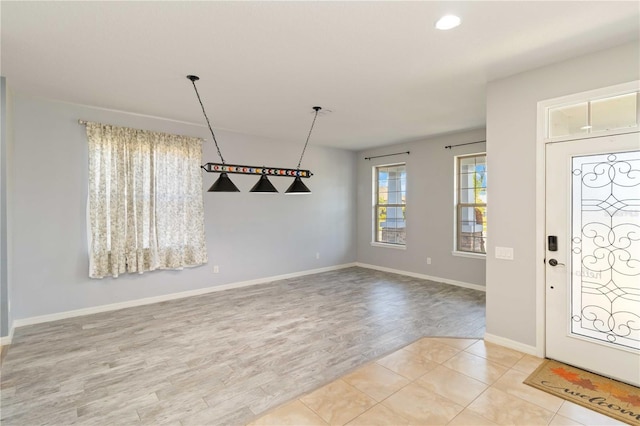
(381, 67)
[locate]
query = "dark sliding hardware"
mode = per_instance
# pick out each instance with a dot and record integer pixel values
(552, 241)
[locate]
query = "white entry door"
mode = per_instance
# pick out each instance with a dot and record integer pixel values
(593, 275)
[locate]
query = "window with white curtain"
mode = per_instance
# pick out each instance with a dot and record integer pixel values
(145, 207)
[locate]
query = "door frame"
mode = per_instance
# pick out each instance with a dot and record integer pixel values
(541, 195)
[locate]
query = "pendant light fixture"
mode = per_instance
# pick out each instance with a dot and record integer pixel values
(224, 183)
(264, 186)
(298, 187)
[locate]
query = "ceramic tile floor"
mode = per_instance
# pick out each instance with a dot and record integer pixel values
(436, 381)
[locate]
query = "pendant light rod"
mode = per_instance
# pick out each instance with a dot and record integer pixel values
(254, 170)
(317, 109)
(193, 79)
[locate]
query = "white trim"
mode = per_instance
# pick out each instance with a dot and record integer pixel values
(593, 95)
(540, 232)
(454, 207)
(471, 154)
(149, 300)
(595, 135)
(512, 344)
(587, 96)
(470, 255)
(397, 163)
(387, 245)
(423, 276)
(6, 340)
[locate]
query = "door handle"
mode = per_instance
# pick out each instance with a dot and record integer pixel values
(554, 262)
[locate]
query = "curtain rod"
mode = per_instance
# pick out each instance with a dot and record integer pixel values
(461, 144)
(388, 155)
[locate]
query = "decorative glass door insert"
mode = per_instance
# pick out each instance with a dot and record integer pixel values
(605, 249)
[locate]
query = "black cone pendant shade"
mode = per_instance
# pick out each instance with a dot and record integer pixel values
(223, 184)
(298, 187)
(264, 186)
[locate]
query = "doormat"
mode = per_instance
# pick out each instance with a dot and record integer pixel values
(607, 396)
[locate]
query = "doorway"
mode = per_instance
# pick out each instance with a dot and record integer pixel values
(592, 254)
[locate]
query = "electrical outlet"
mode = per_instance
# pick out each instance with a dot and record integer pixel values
(428, 261)
(317, 255)
(216, 269)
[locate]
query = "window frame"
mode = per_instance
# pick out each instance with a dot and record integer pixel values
(545, 108)
(458, 206)
(375, 205)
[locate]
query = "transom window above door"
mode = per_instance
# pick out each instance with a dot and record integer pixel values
(595, 116)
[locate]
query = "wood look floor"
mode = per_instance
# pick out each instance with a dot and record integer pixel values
(225, 357)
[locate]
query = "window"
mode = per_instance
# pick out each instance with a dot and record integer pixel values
(390, 204)
(145, 207)
(471, 203)
(610, 114)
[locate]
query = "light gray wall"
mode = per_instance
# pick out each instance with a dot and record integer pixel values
(249, 236)
(511, 155)
(429, 212)
(5, 316)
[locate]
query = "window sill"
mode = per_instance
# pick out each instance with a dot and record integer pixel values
(391, 246)
(482, 256)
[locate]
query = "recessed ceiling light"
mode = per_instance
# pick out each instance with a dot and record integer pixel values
(447, 22)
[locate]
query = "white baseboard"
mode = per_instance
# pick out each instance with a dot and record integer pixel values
(149, 300)
(6, 340)
(423, 276)
(511, 344)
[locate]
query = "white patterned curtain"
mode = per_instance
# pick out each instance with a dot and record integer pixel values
(145, 207)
